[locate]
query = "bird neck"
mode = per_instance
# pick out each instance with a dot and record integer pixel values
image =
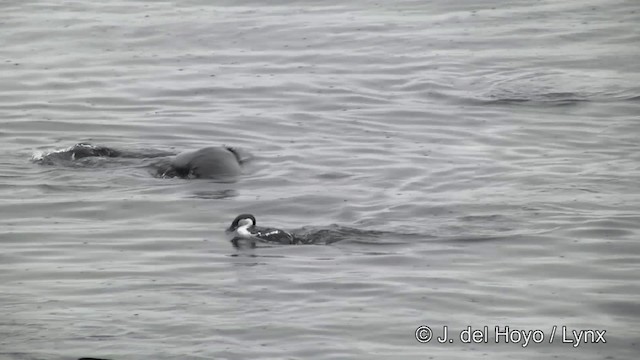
(243, 231)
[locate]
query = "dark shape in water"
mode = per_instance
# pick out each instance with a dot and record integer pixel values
(244, 232)
(76, 152)
(215, 194)
(208, 163)
(85, 150)
(550, 98)
(216, 162)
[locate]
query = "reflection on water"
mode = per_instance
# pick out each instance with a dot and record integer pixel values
(216, 194)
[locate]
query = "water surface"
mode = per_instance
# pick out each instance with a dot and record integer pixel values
(486, 154)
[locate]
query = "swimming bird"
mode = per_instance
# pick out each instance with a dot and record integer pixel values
(245, 232)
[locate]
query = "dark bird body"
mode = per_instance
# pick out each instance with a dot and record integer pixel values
(244, 231)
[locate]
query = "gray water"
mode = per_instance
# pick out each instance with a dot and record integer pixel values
(476, 163)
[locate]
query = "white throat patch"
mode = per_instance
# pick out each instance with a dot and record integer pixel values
(243, 231)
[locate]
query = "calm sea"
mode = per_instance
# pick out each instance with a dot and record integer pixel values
(467, 163)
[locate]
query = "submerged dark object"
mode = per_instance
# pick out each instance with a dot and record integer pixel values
(209, 163)
(76, 152)
(215, 162)
(245, 232)
(81, 150)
